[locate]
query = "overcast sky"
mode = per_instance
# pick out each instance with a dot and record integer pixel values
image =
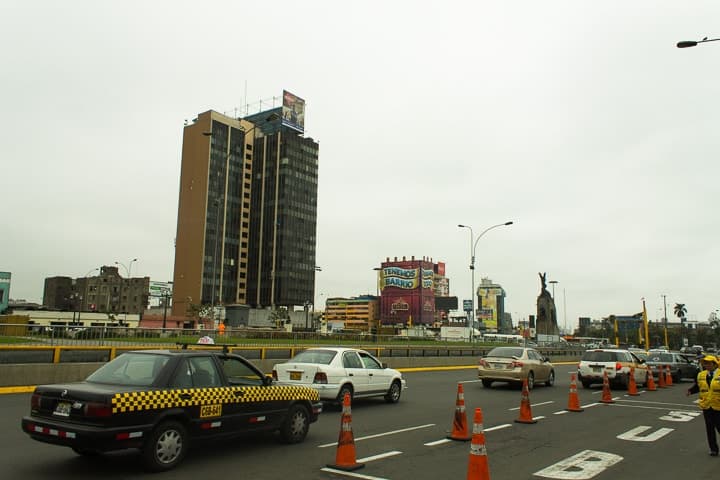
(579, 121)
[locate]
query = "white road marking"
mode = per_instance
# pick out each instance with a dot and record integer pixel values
(350, 474)
(637, 406)
(659, 403)
(378, 456)
(532, 405)
(634, 435)
(498, 427)
(447, 440)
(437, 442)
(582, 466)
(381, 434)
(680, 416)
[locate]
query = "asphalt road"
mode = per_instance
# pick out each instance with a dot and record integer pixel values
(653, 435)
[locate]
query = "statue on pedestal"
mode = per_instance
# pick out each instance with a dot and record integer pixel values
(546, 320)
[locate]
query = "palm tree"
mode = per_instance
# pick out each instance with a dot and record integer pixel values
(680, 311)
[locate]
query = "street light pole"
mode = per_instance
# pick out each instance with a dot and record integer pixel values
(128, 272)
(547, 323)
(693, 43)
(473, 245)
(665, 318)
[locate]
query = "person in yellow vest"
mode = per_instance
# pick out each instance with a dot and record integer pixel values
(707, 384)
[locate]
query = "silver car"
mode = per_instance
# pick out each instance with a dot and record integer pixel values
(514, 364)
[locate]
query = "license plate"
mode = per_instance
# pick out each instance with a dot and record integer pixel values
(62, 409)
(295, 375)
(207, 411)
(498, 365)
(595, 369)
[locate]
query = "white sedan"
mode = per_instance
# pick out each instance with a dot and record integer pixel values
(335, 371)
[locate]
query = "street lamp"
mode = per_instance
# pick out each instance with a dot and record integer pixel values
(85, 290)
(317, 269)
(128, 272)
(473, 245)
(693, 43)
(547, 323)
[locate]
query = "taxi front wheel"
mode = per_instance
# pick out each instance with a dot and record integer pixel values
(165, 447)
(296, 425)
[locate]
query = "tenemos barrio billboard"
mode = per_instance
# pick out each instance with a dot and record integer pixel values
(407, 297)
(293, 111)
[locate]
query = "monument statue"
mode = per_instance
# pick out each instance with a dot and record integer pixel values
(546, 320)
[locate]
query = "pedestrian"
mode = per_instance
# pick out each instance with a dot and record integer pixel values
(221, 328)
(707, 383)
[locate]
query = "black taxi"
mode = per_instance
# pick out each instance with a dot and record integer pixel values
(160, 400)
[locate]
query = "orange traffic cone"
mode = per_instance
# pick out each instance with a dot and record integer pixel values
(668, 377)
(573, 400)
(345, 457)
(606, 394)
(525, 412)
(632, 386)
(477, 462)
(661, 377)
(651, 387)
(460, 426)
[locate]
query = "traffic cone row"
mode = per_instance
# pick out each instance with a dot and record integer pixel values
(661, 377)
(606, 394)
(651, 381)
(525, 410)
(477, 461)
(345, 458)
(668, 376)
(573, 400)
(460, 427)
(632, 386)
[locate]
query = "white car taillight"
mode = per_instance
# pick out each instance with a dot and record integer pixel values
(320, 377)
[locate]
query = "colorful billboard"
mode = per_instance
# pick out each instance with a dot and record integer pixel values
(407, 294)
(293, 111)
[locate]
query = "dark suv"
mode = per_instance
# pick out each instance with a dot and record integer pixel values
(680, 365)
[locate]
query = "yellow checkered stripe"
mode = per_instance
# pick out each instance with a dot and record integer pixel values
(188, 397)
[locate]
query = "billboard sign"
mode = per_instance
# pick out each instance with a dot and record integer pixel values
(158, 290)
(293, 111)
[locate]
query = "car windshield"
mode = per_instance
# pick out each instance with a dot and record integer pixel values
(323, 357)
(599, 356)
(661, 357)
(137, 369)
(506, 352)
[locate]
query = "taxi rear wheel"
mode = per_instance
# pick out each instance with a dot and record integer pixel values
(166, 446)
(296, 425)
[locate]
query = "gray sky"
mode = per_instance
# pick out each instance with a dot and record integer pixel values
(580, 121)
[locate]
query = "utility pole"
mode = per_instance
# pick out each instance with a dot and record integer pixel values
(665, 317)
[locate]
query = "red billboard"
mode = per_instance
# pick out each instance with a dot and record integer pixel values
(407, 295)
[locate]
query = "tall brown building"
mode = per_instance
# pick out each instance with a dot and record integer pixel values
(247, 213)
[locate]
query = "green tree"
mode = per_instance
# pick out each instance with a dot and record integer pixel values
(680, 312)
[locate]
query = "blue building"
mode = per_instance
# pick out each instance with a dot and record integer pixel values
(4, 290)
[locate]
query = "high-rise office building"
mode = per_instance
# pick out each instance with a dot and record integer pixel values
(247, 211)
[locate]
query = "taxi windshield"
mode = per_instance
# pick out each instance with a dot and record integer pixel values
(136, 369)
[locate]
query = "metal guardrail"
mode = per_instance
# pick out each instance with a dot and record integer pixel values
(68, 344)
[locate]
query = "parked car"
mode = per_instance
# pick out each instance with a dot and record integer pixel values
(680, 365)
(158, 400)
(616, 363)
(514, 364)
(335, 371)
